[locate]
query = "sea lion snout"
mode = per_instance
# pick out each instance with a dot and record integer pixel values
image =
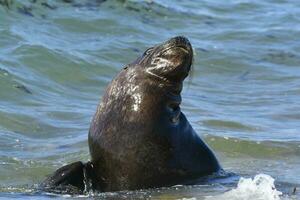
(181, 52)
(171, 60)
(180, 41)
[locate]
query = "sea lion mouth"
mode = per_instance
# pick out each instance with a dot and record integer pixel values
(184, 50)
(180, 43)
(169, 61)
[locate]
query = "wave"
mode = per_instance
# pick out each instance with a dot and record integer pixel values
(260, 187)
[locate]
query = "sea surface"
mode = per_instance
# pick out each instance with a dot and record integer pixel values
(242, 97)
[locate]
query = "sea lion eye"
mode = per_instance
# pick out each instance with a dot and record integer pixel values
(126, 67)
(148, 51)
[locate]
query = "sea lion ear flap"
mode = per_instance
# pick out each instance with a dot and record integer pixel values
(67, 179)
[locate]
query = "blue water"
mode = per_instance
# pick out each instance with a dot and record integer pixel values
(242, 97)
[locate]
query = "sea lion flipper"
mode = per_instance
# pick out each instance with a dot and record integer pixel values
(67, 179)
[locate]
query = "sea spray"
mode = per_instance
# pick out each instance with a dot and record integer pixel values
(261, 187)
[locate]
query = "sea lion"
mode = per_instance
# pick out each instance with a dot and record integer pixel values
(138, 137)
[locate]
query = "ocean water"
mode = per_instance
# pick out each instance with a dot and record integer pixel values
(242, 97)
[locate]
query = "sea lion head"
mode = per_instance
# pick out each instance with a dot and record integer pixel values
(170, 61)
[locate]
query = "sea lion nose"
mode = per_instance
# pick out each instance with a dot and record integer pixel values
(180, 41)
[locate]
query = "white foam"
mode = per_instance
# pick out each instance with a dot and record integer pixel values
(261, 187)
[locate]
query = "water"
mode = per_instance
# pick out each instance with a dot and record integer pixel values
(242, 97)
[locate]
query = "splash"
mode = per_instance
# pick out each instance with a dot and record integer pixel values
(261, 187)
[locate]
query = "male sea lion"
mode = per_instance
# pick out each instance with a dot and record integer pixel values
(139, 138)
